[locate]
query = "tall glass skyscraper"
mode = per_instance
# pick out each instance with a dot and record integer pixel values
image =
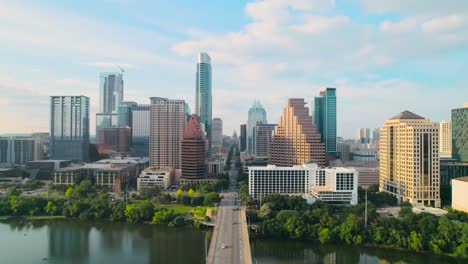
(111, 92)
(459, 133)
(69, 127)
(324, 115)
(203, 101)
(110, 98)
(257, 115)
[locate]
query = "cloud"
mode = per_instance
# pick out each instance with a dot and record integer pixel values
(400, 27)
(320, 24)
(112, 65)
(445, 23)
(414, 7)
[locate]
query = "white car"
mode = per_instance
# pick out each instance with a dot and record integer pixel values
(223, 246)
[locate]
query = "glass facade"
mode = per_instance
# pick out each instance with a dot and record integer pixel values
(324, 116)
(105, 120)
(124, 114)
(69, 127)
(460, 134)
(257, 115)
(140, 130)
(203, 101)
(111, 92)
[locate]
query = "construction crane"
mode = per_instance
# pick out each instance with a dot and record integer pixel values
(121, 69)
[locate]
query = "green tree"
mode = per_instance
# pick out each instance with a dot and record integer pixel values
(163, 216)
(190, 192)
(211, 198)
(117, 211)
(69, 191)
(146, 211)
(325, 236)
(179, 192)
(350, 230)
(265, 211)
(51, 208)
(132, 214)
(415, 241)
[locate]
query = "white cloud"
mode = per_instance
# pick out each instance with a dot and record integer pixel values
(414, 6)
(110, 65)
(320, 24)
(407, 25)
(445, 23)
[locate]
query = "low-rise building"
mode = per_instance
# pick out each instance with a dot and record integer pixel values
(104, 175)
(43, 169)
(459, 191)
(155, 178)
(215, 167)
(284, 180)
(334, 185)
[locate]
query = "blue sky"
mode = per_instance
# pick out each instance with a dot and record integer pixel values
(382, 56)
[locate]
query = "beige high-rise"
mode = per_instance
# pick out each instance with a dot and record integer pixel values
(445, 138)
(295, 139)
(409, 159)
(167, 122)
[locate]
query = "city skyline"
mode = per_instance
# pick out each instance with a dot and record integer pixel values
(396, 62)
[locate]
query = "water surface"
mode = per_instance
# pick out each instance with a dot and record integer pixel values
(65, 241)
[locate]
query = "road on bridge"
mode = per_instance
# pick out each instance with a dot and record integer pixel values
(230, 242)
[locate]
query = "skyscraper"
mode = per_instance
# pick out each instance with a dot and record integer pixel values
(140, 130)
(111, 92)
(363, 135)
(324, 116)
(110, 97)
(445, 130)
(193, 151)
(69, 127)
(243, 137)
(295, 140)
(257, 115)
(263, 134)
(217, 136)
(167, 123)
(460, 134)
(203, 99)
(409, 159)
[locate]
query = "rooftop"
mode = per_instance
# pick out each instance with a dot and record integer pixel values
(464, 179)
(407, 115)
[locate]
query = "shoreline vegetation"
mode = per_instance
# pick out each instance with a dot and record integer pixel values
(187, 207)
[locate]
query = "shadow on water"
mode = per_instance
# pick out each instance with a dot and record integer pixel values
(274, 251)
(68, 241)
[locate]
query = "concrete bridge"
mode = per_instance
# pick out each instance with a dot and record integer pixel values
(230, 241)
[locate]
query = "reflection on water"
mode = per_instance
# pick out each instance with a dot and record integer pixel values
(64, 241)
(281, 252)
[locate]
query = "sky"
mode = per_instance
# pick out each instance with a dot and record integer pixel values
(382, 56)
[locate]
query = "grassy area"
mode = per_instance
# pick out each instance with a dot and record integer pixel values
(198, 211)
(5, 217)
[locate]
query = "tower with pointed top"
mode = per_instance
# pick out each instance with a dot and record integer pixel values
(257, 115)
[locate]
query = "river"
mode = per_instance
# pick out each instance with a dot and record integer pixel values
(273, 251)
(67, 241)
